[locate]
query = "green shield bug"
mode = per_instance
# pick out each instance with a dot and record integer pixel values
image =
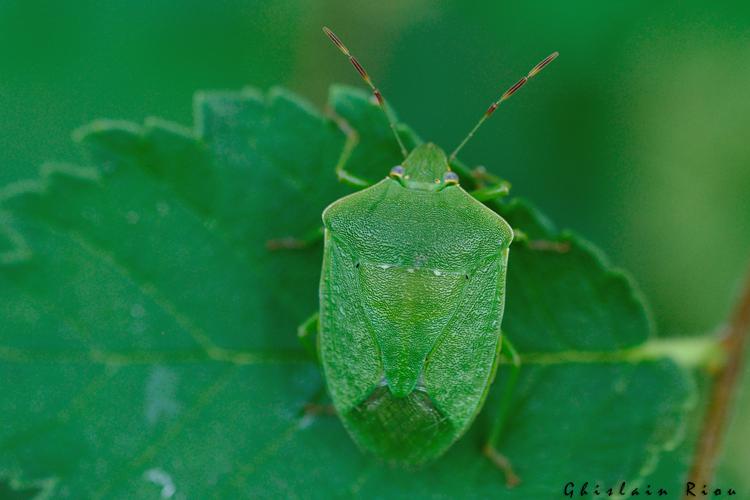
(411, 301)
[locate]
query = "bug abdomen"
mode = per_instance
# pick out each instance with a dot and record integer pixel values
(409, 429)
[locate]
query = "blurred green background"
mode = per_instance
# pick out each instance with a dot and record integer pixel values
(636, 137)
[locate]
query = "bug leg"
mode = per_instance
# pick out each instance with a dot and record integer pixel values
(489, 186)
(318, 406)
(484, 178)
(520, 237)
(350, 179)
(352, 139)
(318, 409)
(307, 333)
(490, 449)
(491, 192)
(291, 243)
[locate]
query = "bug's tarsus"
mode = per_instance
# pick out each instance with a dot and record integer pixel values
(317, 409)
(549, 246)
(556, 246)
(491, 192)
(287, 243)
(506, 95)
(501, 462)
(378, 96)
(352, 139)
(296, 243)
(483, 178)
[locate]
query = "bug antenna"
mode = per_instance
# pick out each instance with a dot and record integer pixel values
(340, 45)
(506, 95)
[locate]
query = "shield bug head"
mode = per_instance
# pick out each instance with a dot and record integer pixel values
(424, 169)
(411, 299)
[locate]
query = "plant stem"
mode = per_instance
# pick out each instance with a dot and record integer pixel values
(734, 344)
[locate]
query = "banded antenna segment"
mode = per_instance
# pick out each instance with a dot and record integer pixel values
(378, 96)
(506, 95)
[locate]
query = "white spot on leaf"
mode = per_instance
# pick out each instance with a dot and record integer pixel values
(137, 311)
(161, 478)
(305, 422)
(162, 208)
(620, 386)
(161, 395)
(132, 217)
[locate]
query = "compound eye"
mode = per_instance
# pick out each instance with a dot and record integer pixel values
(450, 178)
(397, 171)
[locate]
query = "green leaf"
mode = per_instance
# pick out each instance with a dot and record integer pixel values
(149, 334)
(9, 491)
(376, 149)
